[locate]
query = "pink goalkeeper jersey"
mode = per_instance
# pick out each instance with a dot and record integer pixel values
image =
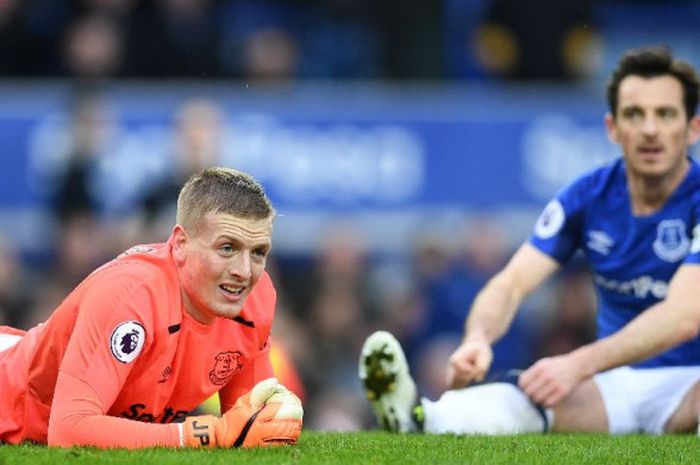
(121, 347)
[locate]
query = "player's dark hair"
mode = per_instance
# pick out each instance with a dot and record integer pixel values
(649, 62)
(221, 190)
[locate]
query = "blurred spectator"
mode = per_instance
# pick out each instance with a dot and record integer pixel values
(401, 302)
(284, 363)
(430, 364)
(93, 48)
(258, 41)
(336, 318)
(83, 161)
(81, 238)
(451, 286)
(539, 39)
(16, 289)
(572, 321)
(337, 410)
(196, 145)
(174, 38)
(340, 301)
(269, 55)
(82, 243)
(75, 192)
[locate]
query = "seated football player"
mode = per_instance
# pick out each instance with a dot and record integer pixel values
(149, 336)
(637, 223)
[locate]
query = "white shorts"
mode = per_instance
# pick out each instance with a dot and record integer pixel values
(641, 400)
(8, 340)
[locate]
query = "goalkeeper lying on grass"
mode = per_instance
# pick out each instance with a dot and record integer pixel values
(152, 334)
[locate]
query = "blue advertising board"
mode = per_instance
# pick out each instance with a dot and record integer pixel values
(324, 149)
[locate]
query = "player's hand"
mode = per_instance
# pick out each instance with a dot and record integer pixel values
(469, 363)
(270, 414)
(551, 379)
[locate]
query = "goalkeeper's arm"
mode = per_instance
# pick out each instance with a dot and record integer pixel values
(268, 414)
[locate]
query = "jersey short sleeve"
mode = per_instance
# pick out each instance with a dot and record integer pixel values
(558, 229)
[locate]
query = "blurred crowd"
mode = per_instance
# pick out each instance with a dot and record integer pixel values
(281, 40)
(329, 300)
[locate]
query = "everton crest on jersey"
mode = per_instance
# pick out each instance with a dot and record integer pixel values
(671, 243)
(632, 258)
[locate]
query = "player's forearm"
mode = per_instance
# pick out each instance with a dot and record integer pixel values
(495, 306)
(109, 432)
(78, 418)
(670, 322)
(654, 331)
(492, 311)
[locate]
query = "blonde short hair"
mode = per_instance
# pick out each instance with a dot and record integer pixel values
(221, 190)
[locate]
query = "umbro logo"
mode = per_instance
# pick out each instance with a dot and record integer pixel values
(600, 242)
(165, 375)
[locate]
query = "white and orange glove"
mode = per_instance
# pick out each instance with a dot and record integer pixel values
(270, 414)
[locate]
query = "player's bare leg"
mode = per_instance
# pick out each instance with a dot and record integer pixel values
(582, 411)
(685, 418)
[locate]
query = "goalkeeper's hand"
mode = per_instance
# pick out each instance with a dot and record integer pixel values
(270, 414)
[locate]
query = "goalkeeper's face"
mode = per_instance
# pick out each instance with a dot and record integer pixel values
(220, 262)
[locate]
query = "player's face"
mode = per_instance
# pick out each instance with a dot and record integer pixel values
(651, 126)
(220, 263)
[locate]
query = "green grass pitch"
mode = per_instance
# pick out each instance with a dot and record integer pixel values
(374, 447)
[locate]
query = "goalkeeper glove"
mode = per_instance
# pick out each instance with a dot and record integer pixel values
(270, 414)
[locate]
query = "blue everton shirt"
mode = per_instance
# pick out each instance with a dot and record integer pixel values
(632, 257)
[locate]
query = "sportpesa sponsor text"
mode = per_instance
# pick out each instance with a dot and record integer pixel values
(641, 286)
